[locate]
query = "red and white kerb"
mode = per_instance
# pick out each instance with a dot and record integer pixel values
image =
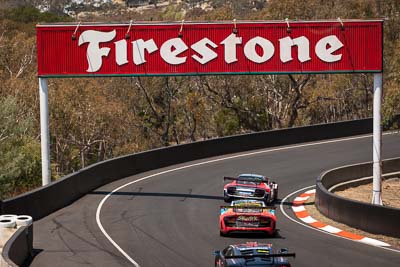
(302, 214)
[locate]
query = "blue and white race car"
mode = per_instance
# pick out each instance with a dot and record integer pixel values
(252, 254)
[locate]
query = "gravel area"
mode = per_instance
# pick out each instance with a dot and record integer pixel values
(390, 192)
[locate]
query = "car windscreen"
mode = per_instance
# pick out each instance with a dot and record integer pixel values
(251, 180)
(257, 252)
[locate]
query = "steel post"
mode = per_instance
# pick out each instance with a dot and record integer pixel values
(377, 141)
(44, 130)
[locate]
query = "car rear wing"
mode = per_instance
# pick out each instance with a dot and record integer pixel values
(269, 209)
(248, 179)
(278, 255)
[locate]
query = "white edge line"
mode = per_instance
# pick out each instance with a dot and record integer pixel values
(207, 162)
(317, 229)
(106, 234)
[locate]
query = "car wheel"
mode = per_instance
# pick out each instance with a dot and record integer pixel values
(267, 201)
(274, 234)
(222, 234)
(227, 199)
(275, 194)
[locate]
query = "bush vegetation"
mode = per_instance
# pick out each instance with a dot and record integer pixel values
(96, 119)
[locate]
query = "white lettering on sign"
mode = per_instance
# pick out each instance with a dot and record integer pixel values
(171, 51)
(120, 52)
(230, 47)
(139, 47)
(94, 53)
(206, 53)
(251, 53)
(303, 48)
(328, 45)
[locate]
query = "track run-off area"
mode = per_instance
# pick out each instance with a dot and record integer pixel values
(169, 216)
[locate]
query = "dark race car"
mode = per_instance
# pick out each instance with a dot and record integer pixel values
(247, 216)
(251, 186)
(252, 254)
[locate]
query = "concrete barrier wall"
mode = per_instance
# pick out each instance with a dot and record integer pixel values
(368, 217)
(45, 200)
(17, 251)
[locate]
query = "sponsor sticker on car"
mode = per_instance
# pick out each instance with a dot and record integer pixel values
(248, 218)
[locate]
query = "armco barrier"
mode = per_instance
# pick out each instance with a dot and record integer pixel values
(45, 200)
(368, 217)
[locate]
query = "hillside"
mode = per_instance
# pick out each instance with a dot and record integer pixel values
(96, 119)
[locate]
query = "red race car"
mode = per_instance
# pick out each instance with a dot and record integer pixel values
(250, 186)
(247, 215)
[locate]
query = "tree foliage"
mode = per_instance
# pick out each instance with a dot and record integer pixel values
(29, 14)
(20, 153)
(96, 119)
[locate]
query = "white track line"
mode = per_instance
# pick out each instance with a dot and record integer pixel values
(309, 219)
(204, 163)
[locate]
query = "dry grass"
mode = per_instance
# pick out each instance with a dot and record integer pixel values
(390, 197)
(390, 193)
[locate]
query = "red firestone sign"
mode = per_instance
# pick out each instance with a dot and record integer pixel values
(195, 48)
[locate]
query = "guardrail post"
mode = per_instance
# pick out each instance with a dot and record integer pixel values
(377, 141)
(44, 130)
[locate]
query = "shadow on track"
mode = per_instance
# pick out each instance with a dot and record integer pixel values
(154, 194)
(30, 259)
(289, 203)
(276, 235)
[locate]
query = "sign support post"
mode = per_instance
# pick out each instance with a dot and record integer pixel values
(377, 141)
(44, 130)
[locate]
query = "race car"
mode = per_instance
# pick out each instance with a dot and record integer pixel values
(252, 254)
(251, 186)
(247, 216)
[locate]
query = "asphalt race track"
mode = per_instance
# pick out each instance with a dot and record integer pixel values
(171, 219)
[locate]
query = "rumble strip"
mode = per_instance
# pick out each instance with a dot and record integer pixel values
(301, 213)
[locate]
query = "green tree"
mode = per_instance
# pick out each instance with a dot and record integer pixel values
(86, 123)
(19, 153)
